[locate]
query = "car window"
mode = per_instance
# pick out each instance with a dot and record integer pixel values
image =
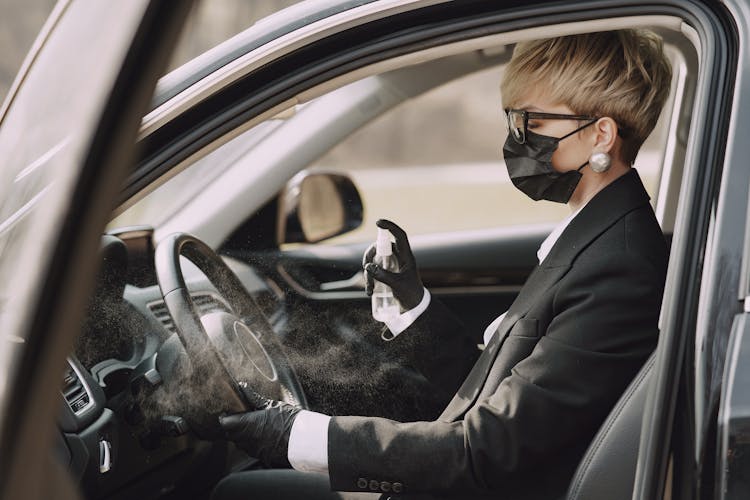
(45, 134)
(171, 196)
(434, 164)
(42, 161)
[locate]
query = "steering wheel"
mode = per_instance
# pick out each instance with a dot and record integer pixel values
(227, 350)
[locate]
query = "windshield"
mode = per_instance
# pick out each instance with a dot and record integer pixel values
(173, 195)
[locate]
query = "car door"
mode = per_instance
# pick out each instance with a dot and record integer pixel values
(681, 453)
(66, 137)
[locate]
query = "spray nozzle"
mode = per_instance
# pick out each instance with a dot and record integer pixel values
(383, 243)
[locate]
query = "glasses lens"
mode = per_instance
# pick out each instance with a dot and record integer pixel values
(516, 126)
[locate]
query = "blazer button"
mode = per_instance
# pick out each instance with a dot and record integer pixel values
(362, 483)
(374, 485)
(398, 487)
(385, 486)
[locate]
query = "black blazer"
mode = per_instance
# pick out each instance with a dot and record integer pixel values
(579, 330)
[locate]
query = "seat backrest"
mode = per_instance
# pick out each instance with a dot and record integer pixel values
(607, 470)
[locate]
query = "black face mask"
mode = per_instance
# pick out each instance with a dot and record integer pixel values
(530, 168)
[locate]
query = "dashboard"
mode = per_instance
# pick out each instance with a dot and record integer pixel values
(114, 432)
(123, 431)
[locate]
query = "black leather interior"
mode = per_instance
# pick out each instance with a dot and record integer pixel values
(607, 470)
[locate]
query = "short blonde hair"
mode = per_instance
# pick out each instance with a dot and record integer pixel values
(620, 74)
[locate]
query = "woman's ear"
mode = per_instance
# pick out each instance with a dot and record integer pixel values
(606, 135)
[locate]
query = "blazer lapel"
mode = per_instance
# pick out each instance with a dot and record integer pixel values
(608, 206)
(540, 280)
(623, 195)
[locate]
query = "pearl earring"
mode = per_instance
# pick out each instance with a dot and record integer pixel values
(600, 162)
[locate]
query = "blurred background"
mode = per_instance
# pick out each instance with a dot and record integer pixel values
(20, 21)
(212, 22)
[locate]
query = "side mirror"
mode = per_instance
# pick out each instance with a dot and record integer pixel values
(317, 206)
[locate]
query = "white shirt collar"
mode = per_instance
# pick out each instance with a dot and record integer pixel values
(550, 241)
(541, 254)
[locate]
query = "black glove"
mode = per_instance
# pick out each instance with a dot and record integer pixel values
(406, 284)
(264, 432)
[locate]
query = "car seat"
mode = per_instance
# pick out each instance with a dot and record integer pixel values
(607, 469)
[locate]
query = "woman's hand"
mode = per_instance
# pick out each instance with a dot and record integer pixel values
(264, 432)
(406, 284)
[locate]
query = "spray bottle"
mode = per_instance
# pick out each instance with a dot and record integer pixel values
(384, 305)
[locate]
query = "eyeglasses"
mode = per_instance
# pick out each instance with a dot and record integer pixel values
(518, 121)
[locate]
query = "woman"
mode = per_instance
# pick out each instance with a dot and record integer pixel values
(578, 109)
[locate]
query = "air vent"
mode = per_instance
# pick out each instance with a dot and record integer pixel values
(159, 310)
(204, 303)
(74, 391)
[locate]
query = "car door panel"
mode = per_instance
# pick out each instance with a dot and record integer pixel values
(476, 274)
